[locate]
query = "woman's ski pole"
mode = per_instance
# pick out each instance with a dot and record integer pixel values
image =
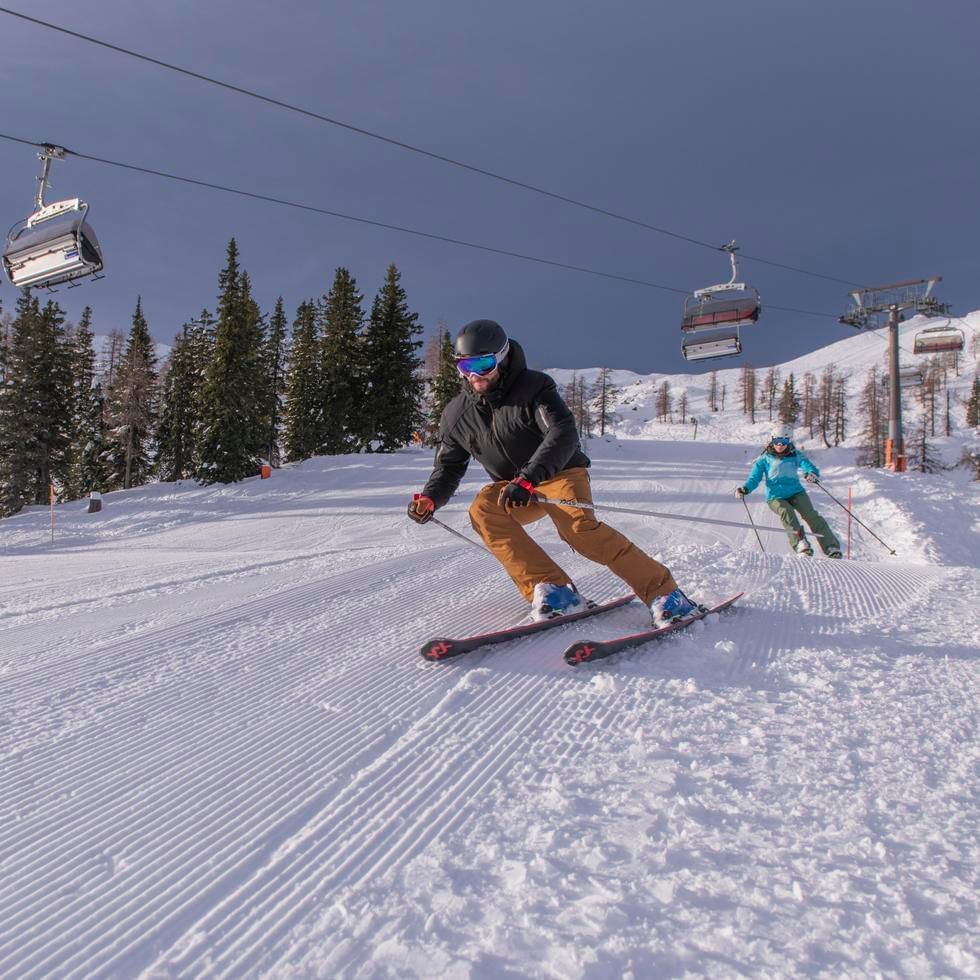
(856, 518)
(754, 528)
(586, 505)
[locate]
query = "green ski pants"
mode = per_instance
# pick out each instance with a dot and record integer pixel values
(786, 510)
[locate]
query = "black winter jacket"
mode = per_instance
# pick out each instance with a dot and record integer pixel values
(519, 428)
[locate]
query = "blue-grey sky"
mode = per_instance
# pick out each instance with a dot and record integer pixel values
(839, 136)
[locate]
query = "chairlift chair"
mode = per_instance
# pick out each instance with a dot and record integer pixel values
(936, 340)
(55, 244)
(701, 346)
(908, 377)
(728, 304)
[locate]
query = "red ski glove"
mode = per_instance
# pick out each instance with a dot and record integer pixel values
(518, 493)
(421, 509)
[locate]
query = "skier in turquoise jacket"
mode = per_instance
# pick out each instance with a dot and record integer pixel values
(786, 496)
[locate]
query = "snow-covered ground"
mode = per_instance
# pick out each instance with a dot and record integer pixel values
(221, 755)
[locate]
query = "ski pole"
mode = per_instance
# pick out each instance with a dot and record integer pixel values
(749, 513)
(586, 505)
(856, 518)
(463, 537)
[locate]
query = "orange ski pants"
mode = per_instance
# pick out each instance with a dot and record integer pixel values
(526, 561)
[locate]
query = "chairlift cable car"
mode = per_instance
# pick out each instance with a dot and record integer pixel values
(712, 315)
(55, 244)
(703, 345)
(938, 339)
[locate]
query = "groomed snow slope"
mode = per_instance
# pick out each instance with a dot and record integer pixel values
(222, 755)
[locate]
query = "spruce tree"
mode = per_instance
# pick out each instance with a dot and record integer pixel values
(342, 367)
(84, 471)
(35, 414)
(393, 406)
(445, 384)
(175, 457)
(132, 408)
(233, 410)
(301, 434)
(276, 355)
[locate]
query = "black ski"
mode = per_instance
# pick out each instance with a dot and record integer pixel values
(444, 647)
(589, 650)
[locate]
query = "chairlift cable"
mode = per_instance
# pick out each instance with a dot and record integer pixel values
(388, 226)
(365, 221)
(278, 103)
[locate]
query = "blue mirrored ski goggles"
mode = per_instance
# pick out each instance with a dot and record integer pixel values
(780, 441)
(481, 364)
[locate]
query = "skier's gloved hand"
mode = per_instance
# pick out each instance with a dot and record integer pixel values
(810, 478)
(518, 493)
(740, 492)
(421, 509)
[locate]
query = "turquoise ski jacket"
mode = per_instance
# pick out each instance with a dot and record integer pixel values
(780, 473)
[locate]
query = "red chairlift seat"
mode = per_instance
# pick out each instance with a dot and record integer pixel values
(734, 307)
(727, 304)
(937, 340)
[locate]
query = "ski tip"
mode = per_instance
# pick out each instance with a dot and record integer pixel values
(439, 648)
(579, 653)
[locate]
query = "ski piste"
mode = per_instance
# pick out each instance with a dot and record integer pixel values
(444, 647)
(585, 651)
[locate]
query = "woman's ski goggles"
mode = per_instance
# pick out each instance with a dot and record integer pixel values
(481, 364)
(781, 441)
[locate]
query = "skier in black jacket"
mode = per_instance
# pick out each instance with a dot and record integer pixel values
(513, 421)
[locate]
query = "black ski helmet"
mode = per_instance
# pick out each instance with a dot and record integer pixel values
(481, 337)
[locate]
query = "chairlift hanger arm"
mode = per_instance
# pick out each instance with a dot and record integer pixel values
(48, 153)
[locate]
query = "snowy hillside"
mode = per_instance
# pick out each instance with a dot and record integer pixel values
(854, 356)
(223, 756)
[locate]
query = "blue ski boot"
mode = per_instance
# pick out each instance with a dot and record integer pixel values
(669, 608)
(555, 600)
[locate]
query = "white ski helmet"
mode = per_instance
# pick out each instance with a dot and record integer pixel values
(781, 432)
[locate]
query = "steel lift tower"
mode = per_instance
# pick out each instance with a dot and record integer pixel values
(878, 306)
